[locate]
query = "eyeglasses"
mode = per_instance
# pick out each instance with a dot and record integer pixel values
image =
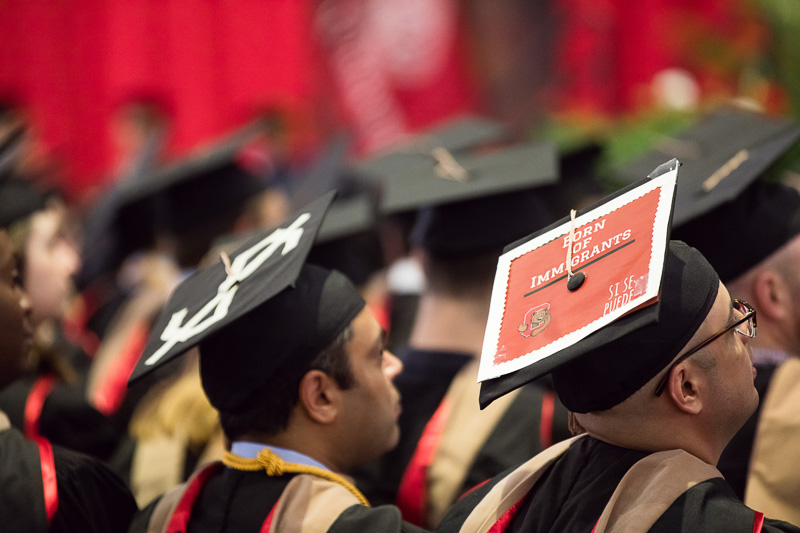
(745, 325)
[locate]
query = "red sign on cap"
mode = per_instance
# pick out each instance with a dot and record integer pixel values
(619, 247)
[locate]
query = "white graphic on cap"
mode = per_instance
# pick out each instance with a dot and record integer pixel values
(241, 268)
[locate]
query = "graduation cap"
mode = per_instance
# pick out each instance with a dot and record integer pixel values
(720, 156)
(578, 184)
(642, 299)
(261, 317)
(194, 199)
(495, 202)
(723, 208)
(452, 179)
(19, 197)
(348, 240)
(456, 137)
(214, 181)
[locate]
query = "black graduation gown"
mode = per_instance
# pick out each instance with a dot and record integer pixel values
(517, 435)
(66, 418)
(234, 501)
(572, 493)
(90, 498)
(423, 384)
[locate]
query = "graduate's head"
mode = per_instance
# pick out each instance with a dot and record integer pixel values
(473, 190)
(289, 354)
(758, 256)
(15, 326)
(38, 227)
(621, 358)
(49, 260)
(773, 287)
(682, 379)
(459, 242)
(649, 350)
(310, 359)
(702, 397)
(731, 208)
(183, 207)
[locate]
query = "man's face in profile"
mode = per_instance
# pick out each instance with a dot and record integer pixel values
(372, 406)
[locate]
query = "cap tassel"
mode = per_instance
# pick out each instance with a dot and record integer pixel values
(725, 170)
(574, 281)
(226, 261)
(446, 165)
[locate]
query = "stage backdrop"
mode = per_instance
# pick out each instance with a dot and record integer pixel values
(211, 63)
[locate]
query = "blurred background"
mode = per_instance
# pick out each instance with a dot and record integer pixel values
(99, 82)
(173, 129)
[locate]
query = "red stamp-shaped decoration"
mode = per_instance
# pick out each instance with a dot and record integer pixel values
(618, 246)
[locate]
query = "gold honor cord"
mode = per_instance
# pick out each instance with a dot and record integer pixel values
(275, 466)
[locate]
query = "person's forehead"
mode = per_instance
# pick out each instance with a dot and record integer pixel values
(46, 221)
(366, 330)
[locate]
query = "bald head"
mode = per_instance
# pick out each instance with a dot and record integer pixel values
(707, 397)
(773, 287)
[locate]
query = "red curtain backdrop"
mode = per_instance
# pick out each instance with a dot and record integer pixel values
(213, 62)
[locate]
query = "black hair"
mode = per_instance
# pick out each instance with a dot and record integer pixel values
(460, 273)
(270, 414)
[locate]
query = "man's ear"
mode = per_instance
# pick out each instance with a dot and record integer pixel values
(772, 296)
(319, 396)
(684, 386)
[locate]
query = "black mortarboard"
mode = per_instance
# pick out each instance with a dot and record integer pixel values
(19, 197)
(495, 204)
(219, 179)
(739, 234)
(594, 372)
(265, 315)
(348, 240)
(195, 199)
(458, 178)
(456, 136)
(722, 207)
(722, 155)
(578, 183)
